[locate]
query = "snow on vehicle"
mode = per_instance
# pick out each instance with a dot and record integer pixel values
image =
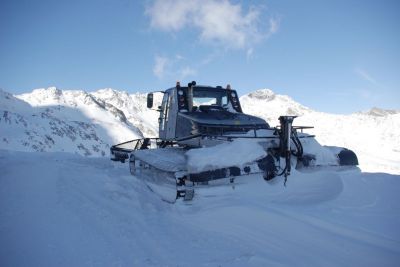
(205, 138)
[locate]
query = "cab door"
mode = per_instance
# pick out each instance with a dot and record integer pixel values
(168, 114)
(162, 120)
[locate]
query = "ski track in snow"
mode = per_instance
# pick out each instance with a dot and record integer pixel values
(60, 209)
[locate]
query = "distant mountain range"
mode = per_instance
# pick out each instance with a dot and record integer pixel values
(88, 123)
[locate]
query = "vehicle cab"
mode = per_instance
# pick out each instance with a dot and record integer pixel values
(190, 111)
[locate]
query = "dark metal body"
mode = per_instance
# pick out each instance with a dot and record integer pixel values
(181, 118)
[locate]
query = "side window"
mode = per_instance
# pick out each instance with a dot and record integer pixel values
(224, 100)
(168, 100)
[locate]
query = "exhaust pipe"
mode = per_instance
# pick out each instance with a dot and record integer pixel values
(285, 137)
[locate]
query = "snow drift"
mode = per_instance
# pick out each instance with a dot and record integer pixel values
(62, 209)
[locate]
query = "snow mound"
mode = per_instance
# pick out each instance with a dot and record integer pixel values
(324, 155)
(310, 188)
(235, 153)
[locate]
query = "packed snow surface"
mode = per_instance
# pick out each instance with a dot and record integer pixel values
(60, 209)
(235, 153)
(66, 209)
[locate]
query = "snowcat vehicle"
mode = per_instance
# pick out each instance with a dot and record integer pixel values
(205, 138)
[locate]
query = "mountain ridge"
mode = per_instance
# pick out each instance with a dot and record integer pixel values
(88, 123)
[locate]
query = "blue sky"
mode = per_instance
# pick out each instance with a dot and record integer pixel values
(333, 56)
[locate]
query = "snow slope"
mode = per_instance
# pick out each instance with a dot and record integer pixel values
(54, 120)
(62, 209)
(134, 107)
(374, 135)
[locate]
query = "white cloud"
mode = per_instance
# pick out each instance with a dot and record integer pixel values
(170, 15)
(218, 22)
(160, 66)
(172, 68)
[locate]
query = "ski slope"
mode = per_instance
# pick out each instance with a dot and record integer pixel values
(61, 209)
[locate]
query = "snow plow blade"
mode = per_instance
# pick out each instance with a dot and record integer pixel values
(165, 172)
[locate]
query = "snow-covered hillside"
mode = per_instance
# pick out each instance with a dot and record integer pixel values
(134, 108)
(374, 135)
(55, 120)
(89, 123)
(268, 105)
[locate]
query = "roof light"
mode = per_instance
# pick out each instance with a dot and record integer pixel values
(228, 87)
(178, 84)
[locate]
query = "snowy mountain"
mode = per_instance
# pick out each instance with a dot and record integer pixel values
(134, 107)
(266, 104)
(55, 120)
(88, 123)
(380, 112)
(373, 135)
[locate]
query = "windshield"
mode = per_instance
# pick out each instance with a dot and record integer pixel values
(200, 98)
(209, 96)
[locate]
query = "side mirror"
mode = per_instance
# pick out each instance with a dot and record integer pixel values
(150, 100)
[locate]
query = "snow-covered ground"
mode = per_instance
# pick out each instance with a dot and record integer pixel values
(81, 209)
(60, 209)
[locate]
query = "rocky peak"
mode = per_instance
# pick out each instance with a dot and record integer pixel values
(379, 112)
(262, 94)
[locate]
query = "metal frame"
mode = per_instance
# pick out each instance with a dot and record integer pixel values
(121, 151)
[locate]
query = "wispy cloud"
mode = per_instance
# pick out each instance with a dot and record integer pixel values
(366, 76)
(274, 24)
(218, 22)
(166, 67)
(160, 66)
